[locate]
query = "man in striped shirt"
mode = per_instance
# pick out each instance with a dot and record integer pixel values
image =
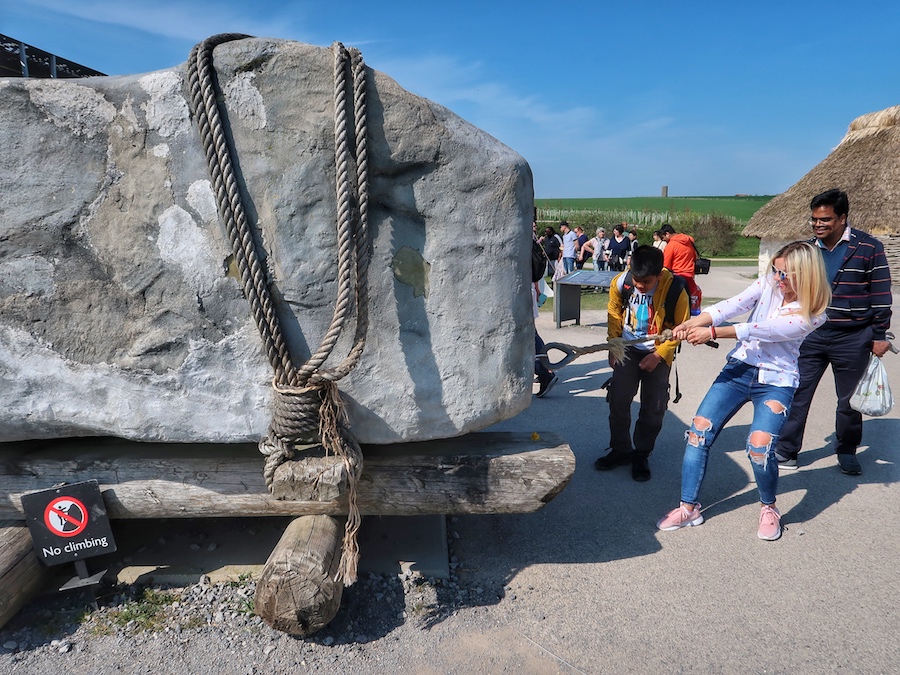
(858, 318)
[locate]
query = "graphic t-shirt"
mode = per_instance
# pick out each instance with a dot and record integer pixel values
(639, 319)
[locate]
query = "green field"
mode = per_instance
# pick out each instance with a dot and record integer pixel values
(740, 208)
(714, 222)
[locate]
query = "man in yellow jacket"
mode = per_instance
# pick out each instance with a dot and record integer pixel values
(640, 307)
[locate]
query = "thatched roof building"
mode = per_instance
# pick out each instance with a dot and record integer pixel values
(866, 165)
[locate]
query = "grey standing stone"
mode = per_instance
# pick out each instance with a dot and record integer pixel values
(120, 313)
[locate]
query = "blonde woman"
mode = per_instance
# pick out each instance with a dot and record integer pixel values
(785, 306)
(596, 249)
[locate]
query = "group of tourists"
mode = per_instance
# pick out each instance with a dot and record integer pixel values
(572, 247)
(823, 301)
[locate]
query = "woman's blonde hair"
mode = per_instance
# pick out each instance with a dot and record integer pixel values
(808, 278)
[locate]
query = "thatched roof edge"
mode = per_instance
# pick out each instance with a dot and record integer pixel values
(865, 164)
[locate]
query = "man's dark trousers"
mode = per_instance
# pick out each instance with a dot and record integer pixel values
(627, 376)
(848, 354)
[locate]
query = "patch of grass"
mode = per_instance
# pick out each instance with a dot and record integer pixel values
(242, 580)
(590, 299)
(144, 614)
(245, 606)
(61, 621)
(745, 247)
(730, 262)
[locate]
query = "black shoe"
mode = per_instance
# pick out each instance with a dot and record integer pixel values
(546, 386)
(849, 465)
(785, 462)
(640, 468)
(612, 460)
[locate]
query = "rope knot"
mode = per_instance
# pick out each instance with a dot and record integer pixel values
(295, 415)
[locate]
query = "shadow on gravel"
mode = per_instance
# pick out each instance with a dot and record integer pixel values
(826, 485)
(370, 609)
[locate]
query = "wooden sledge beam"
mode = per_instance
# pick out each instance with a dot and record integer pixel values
(486, 472)
(22, 574)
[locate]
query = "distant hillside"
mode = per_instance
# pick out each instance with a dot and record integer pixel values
(741, 208)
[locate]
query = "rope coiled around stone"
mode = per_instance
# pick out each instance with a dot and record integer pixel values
(307, 404)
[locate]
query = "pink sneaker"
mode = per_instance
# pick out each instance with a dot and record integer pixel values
(769, 523)
(680, 517)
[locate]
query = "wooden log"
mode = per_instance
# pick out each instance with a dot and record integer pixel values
(297, 592)
(316, 478)
(487, 472)
(22, 574)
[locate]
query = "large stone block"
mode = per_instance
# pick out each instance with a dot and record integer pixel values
(120, 313)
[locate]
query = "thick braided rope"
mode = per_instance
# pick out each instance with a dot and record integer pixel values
(333, 427)
(352, 220)
(220, 163)
(297, 406)
(363, 253)
(616, 346)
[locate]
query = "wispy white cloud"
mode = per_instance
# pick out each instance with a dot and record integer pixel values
(552, 136)
(181, 20)
(468, 89)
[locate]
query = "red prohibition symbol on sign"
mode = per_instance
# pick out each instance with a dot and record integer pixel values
(66, 516)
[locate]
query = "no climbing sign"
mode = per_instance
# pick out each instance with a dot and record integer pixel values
(66, 517)
(68, 523)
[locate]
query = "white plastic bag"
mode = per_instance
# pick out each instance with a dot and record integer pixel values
(872, 395)
(560, 271)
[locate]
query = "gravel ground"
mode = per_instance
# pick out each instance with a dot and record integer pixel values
(211, 627)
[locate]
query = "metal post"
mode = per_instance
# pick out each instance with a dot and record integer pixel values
(53, 66)
(23, 59)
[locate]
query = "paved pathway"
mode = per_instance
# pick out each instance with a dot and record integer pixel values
(599, 587)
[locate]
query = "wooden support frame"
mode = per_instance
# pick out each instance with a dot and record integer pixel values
(485, 472)
(298, 592)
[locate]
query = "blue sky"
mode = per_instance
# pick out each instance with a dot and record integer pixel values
(604, 99)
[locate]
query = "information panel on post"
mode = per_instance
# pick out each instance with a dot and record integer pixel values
(68, 522)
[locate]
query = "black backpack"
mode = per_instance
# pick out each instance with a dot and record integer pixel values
(538, 261)
(552, 247)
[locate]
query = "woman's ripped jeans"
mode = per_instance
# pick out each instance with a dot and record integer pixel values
(736, 385)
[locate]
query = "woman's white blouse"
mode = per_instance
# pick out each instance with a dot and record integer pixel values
(770, 339)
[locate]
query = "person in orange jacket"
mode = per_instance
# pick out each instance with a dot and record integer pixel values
(679, 257)
(680, 252)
